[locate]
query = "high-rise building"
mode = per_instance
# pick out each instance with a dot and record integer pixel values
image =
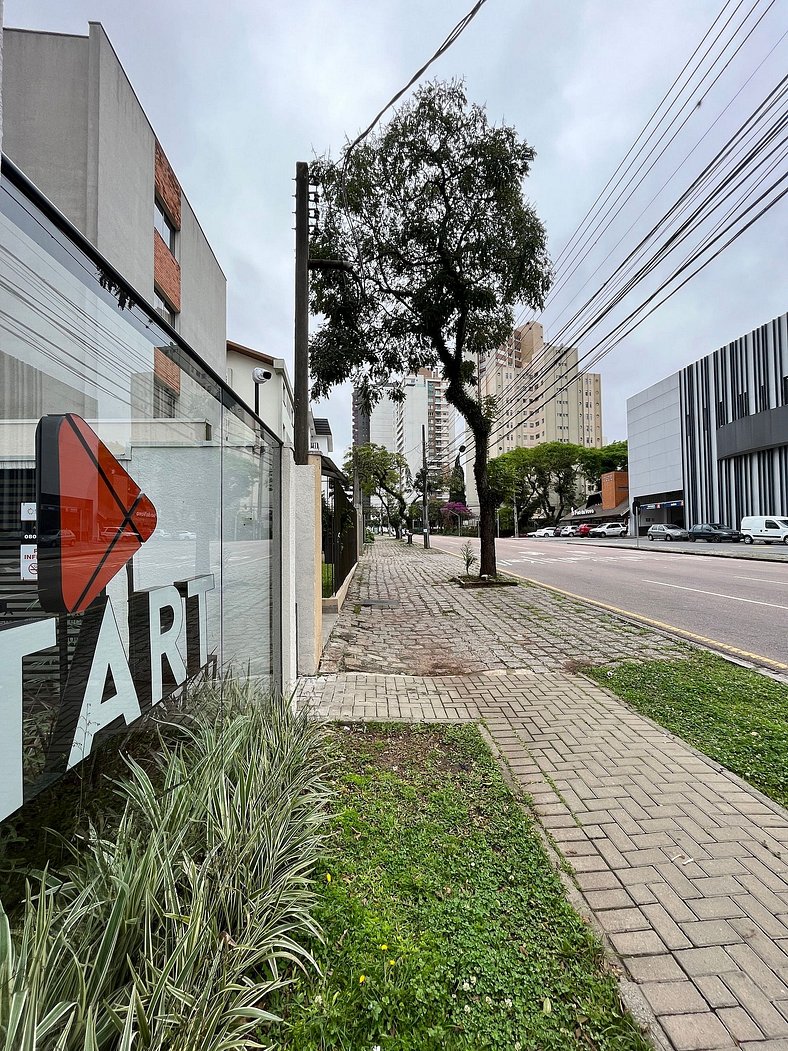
(397, 424)
(540, 395)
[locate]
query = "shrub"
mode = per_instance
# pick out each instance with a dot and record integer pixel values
(173, 932)
(468, 558)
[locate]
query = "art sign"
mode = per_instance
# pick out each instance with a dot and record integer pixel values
(92, 519)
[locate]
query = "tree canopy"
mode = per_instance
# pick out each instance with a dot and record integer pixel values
(430, 212)
(381, 473)
(544, 480)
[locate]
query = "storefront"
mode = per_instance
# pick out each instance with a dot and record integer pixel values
(139, 506)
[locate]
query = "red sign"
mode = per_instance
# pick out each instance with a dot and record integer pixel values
(92, 516)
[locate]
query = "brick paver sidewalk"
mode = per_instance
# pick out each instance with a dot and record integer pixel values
(680, 862)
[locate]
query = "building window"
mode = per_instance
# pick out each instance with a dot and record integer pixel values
(164, 401)
(163, 308)
(164, 225)
(785, 390)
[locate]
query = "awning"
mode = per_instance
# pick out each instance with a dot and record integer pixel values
(329, 469)
(656, 507)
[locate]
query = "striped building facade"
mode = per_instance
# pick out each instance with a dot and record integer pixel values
(730, 421)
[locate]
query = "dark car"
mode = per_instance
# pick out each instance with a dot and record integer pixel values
(714, 532)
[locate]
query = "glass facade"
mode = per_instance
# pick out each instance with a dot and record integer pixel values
(139, 506)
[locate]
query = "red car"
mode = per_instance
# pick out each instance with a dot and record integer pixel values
(584, 529)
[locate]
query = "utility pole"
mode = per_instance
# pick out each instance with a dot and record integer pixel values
(516, 523)
(424, 505)
(301, 358)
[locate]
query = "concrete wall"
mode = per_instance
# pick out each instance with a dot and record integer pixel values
(45, 93)
(654, 436)
(125, 158)
(304, 515)
(203, 318)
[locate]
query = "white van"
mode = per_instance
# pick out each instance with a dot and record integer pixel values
(771, 529)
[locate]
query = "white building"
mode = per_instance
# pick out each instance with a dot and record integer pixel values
(272, 400)
(710, 443)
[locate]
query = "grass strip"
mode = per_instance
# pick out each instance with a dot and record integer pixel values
(736, 716)
(445, 925)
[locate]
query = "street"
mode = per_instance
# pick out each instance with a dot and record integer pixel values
(738, 605)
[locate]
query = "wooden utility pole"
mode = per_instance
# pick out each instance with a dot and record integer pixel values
(301, 357)
(425, 505)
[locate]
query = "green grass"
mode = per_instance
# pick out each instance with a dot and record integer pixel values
(736, 716)
(445, 924)
(328, 580)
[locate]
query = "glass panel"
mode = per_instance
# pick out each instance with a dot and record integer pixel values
(138, 546)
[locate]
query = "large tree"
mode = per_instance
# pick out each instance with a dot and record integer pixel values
(430, 212)
(383, 474)
(543, 477)
(596, 462)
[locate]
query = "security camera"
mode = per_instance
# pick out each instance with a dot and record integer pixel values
(261, 375)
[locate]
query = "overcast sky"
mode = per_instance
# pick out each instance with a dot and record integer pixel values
(239, 91)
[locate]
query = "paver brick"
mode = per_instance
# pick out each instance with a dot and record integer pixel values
(599, 900)
(715, 991)
(655, 969)
(710, 932)
(697, 962)
(673, 998)
(749, 995)
(637, 943)
(696, 1032)
(739, 1024)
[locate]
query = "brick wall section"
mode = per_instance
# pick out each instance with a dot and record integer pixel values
(168, 189)
(615, 489)
(166, 272)
(166, 371)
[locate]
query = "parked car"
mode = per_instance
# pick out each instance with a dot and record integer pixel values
(609, 529)
(771, 530)
(714, 532)
(570, 530)
(544, 531)
(667, 532)
(583, 529)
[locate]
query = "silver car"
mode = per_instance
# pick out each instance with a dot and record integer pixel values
(667, 532)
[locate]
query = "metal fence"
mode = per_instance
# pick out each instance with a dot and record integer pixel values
(340, 543)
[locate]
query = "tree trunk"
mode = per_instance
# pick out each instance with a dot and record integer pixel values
(471, 411)
(481, 435)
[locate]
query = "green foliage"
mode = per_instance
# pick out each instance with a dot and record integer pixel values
(593, 463)
(468, 557)
(457, 483)
(174, 931)
(733, 715)
(381, 473)
(541, 478)
(430, 212)
(445, 925)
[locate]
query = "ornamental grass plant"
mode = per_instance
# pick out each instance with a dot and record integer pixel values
(173, 930)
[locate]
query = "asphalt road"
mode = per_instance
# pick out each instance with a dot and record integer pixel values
(737, 605)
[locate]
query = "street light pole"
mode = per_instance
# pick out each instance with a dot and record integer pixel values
(301, 357)
(424, 505)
